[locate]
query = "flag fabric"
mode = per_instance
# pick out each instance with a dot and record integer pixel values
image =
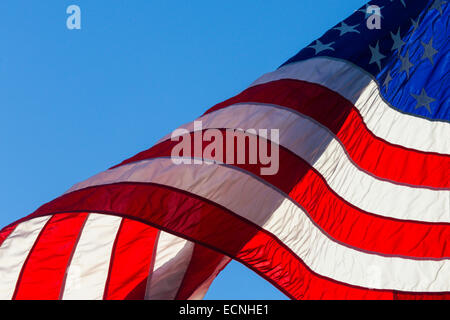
(96, 256)
(358, 209)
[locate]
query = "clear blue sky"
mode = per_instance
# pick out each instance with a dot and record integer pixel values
(75, 102)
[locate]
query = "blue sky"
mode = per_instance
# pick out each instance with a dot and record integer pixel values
(75, 102)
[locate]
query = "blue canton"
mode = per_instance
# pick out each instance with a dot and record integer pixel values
(408, 56)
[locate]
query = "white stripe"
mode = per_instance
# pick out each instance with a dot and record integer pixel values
(319, 147)
(172, 258)
(268, 208)
(88, 269)
(201, 291)
(360, 89)
(14, 251)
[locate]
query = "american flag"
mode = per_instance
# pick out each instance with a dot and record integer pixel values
(359, 208)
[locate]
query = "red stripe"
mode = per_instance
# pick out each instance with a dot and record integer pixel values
(369, 152)
(338, 218)
(203, 263)
(412, 296)
(5, 232)
(201, 221)
(43, 273)
(130, 261)
(289, 273)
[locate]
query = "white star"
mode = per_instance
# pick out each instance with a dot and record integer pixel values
(423, 100)
(319, 46)
(406, 64)
(387, 80)
(376, 55)
(437, 4)
(398, 42)
(370, 14)
(345, 28)
(415, 24)
(429, 51)
(403, 2)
